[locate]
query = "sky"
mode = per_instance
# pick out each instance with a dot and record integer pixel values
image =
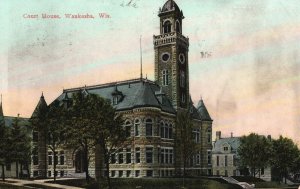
(249, 83)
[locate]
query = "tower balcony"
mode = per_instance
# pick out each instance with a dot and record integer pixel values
(169, 38)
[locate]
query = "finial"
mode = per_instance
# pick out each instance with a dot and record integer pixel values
(19, 115)
(42, 94)
(201, 97)
(141, 54)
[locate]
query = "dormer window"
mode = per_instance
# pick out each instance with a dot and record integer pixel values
(117, 96)
(167, 26)
(225, 148)
(115, 100)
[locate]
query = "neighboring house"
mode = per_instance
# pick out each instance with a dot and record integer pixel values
(149, 109)
(10, 168)
(226, 161)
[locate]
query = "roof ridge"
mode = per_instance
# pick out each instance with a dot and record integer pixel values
(109, 84)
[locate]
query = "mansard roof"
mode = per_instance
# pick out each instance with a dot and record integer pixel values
(41, 106)
(203, 111)
(136, 93)
(233, 142)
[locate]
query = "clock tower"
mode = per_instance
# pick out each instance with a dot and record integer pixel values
(171, 55)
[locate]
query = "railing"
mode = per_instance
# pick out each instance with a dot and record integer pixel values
(169, 38)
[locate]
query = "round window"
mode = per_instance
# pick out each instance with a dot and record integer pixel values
(181, 58)
(165, 57)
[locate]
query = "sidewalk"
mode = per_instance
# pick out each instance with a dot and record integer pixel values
(18, 182)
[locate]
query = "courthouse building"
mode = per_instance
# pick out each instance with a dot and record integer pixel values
(149, 109)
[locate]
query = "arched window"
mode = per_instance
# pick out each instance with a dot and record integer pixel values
(166, 131)
(165, 74)
(170, 131)
(162, 130)
(182, 79)
(137, 127)
(149, 127)
(128, 128)
(178, 29)
(167, 26)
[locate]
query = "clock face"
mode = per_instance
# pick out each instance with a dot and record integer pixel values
(165, 57)
(181, 58)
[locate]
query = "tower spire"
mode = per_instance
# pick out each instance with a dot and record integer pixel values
(141, 55)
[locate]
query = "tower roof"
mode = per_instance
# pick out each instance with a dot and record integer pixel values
(170, 5)
(41, 106)
(203, 111)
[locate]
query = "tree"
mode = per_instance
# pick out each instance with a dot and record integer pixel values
(4, 155)
(285, 155)
(55, 121)
(19, 146)
(185, 142)
(93, 122)
(254, 152)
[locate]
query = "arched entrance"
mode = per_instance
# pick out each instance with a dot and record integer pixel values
(79, 163)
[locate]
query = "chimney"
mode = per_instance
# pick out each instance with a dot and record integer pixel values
(269, 137)
(218, 135)
(231, 134)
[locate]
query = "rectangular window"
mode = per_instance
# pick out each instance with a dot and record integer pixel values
(128, 155)
(120, 155)
(218, 161)
(171, 156)
(149, 155)
(137, 173)
(162, 156)
(209, 157)
(137, 155)
(35, 173)
(128, 131)
(113, 173)
(198, 158)
(148, 129)
(170, 132)
(208, 138)
(120, 173)
(62, 173)
(62, 160)
(162, 130)
(136, 129)
(35, 160)
(149, 173)
(225, 160)
(8, 166)
(128, 173)
(50, 159)
(49, 173)
(56, 159)
(113, 158)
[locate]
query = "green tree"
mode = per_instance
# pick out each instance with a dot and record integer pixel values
(93, 122)
(285, 155)
(255, 152)
(55, 121)
(4, 155)
(19, 146)
(185, 142)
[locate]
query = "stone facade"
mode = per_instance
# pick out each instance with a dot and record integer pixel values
(149, 109)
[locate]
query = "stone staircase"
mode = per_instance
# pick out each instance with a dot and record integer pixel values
(234, 181)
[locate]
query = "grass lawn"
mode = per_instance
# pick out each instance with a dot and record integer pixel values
(259, 183)
(157, 183)
(9, 186)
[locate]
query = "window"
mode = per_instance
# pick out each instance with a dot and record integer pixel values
(178, 26)
(225, 148)
(148, 127)
(218, 161)
(56, 158)
(128, 129)
(225, 160)
(262, 171)
(162, 130)
(120, 155)
(120, 173)
(149, 173)
(209, 138)
(8, 166)
(149, 155)
(128, 173)
(128, 155)
(209, 157)
(113, 158)
(62, 158)
(165, 74)
(49, 173)
(166, 156)
(62, 173)
(113, 173)
(167, 26)
(50, 158)
(182, 79)
(35, 160)
(137, 155)
(198, 158)
(137, 173)
(166, 131)
(35, 173)
(183, 98)
(170, 131)
(196, 133)
(137, 127)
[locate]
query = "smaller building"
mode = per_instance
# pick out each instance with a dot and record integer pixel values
(226, 161)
